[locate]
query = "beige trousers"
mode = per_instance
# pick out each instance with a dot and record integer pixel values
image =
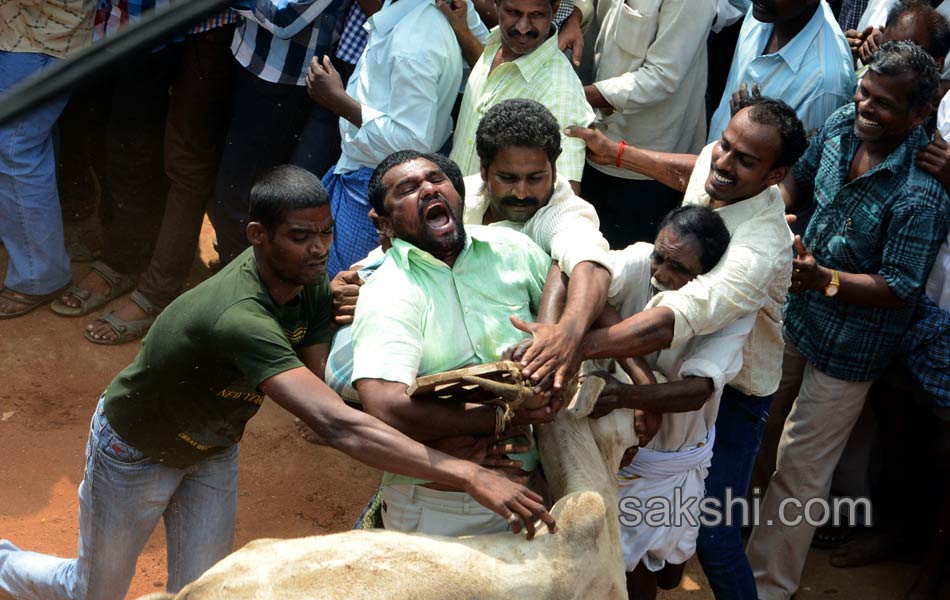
(413, 508)
(815, 434)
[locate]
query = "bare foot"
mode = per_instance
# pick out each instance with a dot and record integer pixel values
(308, 434)
(92, 282)
(130, 311)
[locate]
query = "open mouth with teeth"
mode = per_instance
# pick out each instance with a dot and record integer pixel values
(867, 123)
(721, 179)
(437, 216)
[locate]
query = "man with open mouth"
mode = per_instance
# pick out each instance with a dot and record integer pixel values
(442, 299)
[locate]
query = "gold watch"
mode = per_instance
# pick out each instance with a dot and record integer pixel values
(832, 288)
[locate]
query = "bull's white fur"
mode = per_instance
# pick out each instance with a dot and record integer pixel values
(582, 560)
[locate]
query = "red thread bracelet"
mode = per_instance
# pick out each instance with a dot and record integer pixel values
(623, 144)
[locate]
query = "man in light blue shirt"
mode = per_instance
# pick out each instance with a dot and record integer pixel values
(794, 51)
(400, 96)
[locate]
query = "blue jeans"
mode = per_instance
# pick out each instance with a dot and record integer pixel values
(31, 223)
(739, 428)
(121, 498)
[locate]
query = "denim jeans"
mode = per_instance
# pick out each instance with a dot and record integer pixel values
(739, 428)
(31, 224)
(121, 498)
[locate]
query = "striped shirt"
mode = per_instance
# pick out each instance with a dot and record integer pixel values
(890, 221)
(544, 75)
(813, 73)
(279, 37)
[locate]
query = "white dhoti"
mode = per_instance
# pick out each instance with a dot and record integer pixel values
(660, 494)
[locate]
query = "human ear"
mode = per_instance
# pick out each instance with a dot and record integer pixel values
(255, 233)
(776, 175)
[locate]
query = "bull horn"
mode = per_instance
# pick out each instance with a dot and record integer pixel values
(586, 397)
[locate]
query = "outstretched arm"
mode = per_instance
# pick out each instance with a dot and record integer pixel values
(555, 348)
(672, 170)
(645, 332)
(686, 395)
(371, 441)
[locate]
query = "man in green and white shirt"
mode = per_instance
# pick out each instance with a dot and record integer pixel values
(522, 60)
(441, 300)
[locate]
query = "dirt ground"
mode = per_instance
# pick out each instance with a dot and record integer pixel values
(52, 378)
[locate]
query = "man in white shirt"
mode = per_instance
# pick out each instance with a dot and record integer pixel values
(691, 240)
(400, 96)
(650, 80)
(737, 176)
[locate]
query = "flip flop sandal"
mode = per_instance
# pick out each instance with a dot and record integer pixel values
(27, 301)
(128, 330)
(119, 284)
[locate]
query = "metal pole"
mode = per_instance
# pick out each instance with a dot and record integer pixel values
(65, 76)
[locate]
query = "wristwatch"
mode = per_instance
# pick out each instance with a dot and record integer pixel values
(832, 288)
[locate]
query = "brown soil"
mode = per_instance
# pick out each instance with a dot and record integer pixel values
(52, 378)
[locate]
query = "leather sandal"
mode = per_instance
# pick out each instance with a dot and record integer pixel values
(128, 330)
(119, 284)
(27, 302)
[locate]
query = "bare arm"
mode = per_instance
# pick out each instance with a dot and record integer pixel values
(556, 350)
(645, 332)
(672, 170)
(456, 12)
(326, 89)
(424, 419)
(854, 288)
(791, 193)
(368, 440)
(685, 395)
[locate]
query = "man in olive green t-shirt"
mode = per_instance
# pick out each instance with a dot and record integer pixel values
(164, 438)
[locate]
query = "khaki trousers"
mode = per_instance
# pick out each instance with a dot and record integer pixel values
(815, 434)
(416, 509)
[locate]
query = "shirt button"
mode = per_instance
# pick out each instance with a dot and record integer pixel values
(466, 309)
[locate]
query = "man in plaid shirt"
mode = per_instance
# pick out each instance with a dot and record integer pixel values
(861, 267)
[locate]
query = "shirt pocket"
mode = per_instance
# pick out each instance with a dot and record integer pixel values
(855, 249)
(636, 28)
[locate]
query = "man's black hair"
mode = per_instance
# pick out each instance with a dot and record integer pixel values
(553, 2)
(377, 191)
(769, 111)
(706, 225)
(901, 57)
(938, 28)
(281, 190)
(517, 122)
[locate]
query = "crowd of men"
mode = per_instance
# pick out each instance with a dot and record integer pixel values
(742, 203)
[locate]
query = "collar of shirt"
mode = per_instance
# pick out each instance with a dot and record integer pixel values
(794, 52)
(530, 64)
(744, 210)
(390, 14)
(898, 162)
(405, 254)
(477, 201)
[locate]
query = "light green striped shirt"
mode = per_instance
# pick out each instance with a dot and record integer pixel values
(545, 75)
(416, 316)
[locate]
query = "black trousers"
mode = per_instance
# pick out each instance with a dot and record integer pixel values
(630, 210)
